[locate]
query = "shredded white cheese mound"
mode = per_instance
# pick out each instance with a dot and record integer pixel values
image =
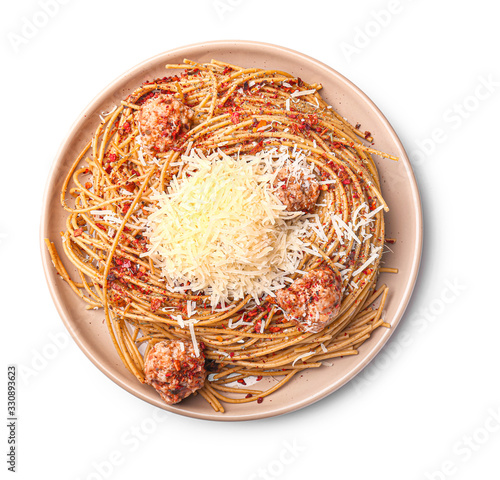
(220, 230)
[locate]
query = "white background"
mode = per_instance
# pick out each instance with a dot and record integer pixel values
(429, 406)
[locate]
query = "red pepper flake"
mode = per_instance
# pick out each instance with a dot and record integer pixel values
(235, 117)
(257, 147)
(78, 232)
(126, 207)
(260, 399)
(242, 381)
(312, 119)
(231, 354)
(248, 395)
(126, 127)
(155, 303)
(259, 378)
(88, 185)
(274, 329)
(129, 186)
(126, 263)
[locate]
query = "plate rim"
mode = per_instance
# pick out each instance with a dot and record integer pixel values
(283, 409)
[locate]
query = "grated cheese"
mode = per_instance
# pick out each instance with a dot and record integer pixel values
(193, 339)
(299, 93)
(219, 229)
(191, 308)
(179, 319)
(103, 114)
(367, 218)
(304, 355)
(338, 224)
(238, 323)
(356, 212)
(375, 254)
(327, 182)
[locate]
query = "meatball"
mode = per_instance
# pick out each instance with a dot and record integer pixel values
(174, 370)
(162, 119)
(296, 190)
(313, 301)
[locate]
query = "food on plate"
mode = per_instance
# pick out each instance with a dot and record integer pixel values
(161, 120)
(312, 302)
(175, 369)
(230, 225)
(296, 190)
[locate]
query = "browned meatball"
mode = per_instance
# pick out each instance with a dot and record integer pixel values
(313, 301)
(296, 190)
(174, 370)
(162, 119)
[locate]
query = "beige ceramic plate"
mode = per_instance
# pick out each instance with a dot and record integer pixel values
(403, 222)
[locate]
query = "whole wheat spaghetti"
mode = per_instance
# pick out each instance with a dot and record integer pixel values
(120, 194)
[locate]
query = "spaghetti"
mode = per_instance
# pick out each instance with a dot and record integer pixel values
(248, 114)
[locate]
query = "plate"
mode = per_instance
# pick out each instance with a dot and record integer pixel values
(404, 222)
